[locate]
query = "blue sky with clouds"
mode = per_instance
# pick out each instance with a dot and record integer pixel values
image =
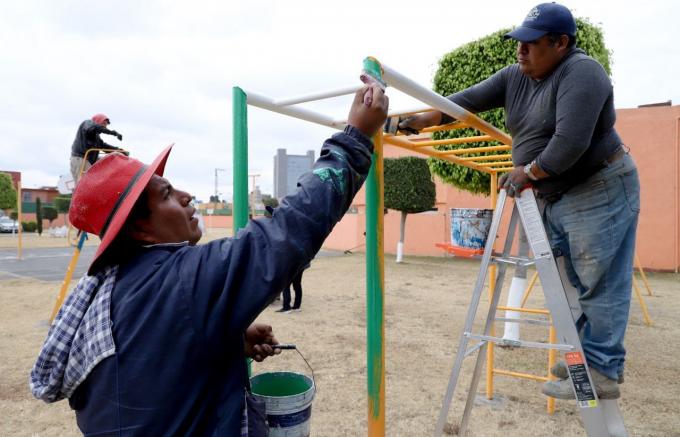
(163, 71)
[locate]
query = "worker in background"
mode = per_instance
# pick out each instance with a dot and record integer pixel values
(88, 138)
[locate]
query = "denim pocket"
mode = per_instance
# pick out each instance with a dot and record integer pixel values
(631, 187)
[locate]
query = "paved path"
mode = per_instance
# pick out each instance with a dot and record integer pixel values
(50, 264)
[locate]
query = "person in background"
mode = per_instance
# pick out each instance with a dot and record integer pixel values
(297, 286)
(87, 137)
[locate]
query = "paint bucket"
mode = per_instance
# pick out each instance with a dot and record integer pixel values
(470, 227)
(288, 400)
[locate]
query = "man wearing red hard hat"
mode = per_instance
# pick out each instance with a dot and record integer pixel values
(87, 138)
(153, 340)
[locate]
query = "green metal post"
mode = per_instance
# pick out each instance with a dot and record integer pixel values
(240, 186)
(375, 278)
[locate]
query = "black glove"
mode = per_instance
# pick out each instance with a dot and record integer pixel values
(117, 135)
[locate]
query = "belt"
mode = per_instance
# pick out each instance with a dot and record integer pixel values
(618, 154)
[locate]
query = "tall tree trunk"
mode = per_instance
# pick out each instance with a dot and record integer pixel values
(402, 230)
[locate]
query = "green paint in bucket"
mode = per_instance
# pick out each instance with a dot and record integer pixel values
(288, 401)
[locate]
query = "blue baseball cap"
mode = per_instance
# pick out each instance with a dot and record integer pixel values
(542, 19)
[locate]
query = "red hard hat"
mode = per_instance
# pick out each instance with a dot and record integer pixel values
(100, 118)
(105, 195)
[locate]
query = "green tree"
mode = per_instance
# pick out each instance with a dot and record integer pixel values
(38, 215)
(475, 61)
(50, 213)
(408, 188)
(8, 195)
(268, 200)
(62, 203)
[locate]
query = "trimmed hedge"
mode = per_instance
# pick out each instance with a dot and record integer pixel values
(476, 61)
(29, 226)
(408, 185)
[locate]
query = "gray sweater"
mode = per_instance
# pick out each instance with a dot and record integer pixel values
(564, 121)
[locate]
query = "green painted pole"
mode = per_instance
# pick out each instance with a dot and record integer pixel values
(240, 184)
(375, 279)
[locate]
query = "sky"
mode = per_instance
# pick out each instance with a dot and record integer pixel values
(163, 71)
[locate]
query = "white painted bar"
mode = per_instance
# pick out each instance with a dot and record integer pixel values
(301, 113)
(429, 97)
(318, 96)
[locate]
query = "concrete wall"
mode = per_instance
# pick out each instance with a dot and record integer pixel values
(653, 135)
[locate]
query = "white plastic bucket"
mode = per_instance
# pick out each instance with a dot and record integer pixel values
(288, 400)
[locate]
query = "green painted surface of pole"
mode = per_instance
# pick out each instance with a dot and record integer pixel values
(240, 183)
(375, 345)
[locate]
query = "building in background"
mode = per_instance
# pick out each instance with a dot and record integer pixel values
(288, 169)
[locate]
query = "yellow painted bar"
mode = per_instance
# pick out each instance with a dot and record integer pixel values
(406, 144)
(478, 150)
(503, 170)
(20, 244)
(492, 284)
(643, 305)
(642, 274)
(69, 275)
(519, 375)
(495, 164)
(527, 292)
(552, 357)
(450, 141)
(486, 158)
(451, 126)
(524, 310)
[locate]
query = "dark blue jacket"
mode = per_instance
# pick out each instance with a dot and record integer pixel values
(179, 312)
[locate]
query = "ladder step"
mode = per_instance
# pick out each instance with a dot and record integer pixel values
(527, 321)
(519, 343)
(518, 261)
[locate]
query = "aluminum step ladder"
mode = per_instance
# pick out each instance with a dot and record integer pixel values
(600, 417)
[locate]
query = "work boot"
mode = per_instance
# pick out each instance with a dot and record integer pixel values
(560, 371)
(604, 387)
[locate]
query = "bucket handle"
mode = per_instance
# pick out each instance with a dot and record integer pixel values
(293, 347)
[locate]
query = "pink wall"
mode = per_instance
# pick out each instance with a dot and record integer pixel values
(653, 135)
(218, 221)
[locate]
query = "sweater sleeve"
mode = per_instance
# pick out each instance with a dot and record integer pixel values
(487, 94)
(233, 280)
(581, 95)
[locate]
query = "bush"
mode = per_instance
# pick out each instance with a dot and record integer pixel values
(29, 226)
(50, 213)
(408, 185)
(476, 61)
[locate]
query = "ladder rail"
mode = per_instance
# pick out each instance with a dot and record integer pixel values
(472, 391)
(472, 311)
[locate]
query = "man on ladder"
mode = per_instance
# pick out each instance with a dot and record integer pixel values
(88, 138)
(560, 112)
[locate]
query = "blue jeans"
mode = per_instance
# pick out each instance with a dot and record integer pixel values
(593, 226)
